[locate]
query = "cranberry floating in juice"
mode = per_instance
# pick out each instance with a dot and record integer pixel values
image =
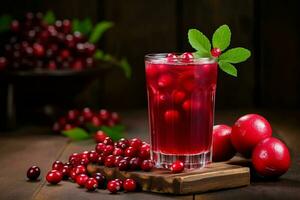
(181, 92)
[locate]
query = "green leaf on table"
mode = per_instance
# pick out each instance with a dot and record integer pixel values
(228, 68)
(5, 21)
(98, 55)
(49, 17)
(115, 132)
(76, 134)
(221, 37)
(125, 67)
(199, 41)
(98, 31)
(235, 55)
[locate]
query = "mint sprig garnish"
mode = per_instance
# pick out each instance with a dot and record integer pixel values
(221, 37)
(220, 40)
(199, 42)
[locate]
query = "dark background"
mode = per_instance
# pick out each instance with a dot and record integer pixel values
(270, 29)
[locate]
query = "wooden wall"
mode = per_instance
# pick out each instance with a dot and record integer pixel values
(269, 28)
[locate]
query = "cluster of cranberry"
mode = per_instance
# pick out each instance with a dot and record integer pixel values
(34, 44)
(124, 154)
(76, 118)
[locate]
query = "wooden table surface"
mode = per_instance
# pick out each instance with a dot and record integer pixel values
(37, 145)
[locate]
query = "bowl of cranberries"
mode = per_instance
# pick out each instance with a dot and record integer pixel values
(36, 45)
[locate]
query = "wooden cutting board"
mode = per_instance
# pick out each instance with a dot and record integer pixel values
(215, 176)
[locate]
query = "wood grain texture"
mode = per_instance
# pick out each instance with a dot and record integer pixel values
(213, 177)
(21, 151)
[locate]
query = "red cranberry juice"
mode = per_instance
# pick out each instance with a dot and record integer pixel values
(181, 106)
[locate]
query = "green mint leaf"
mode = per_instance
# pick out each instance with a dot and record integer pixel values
(199, 41)
(235, 55)
(228, 68)
(116, 132)
(125, 66)
(98, 31)
(49, 17)
(221, 37)
(76, 134)
(5, 21)
(200, 54)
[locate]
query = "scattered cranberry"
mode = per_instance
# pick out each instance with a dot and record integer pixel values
(100, 147)
(177, 166)
(129, 185)
(108, 150)
(84, 161)
(101, 159)
(248, 131)
(271, 158)
(68, 127)
(135, 163)
(222, 147)
(57, 165)
(135, 143)
(81, 179)
(96, 121)
(87, 114)
(118, 159)
(80, 169)
(123, 143)
(115, 117)
(54, 177)
(93, 156)
(100, 136)
(147, 165)
(118, 152)
(123, 165)
(33, 173)
(109, 161)
(108, 141)
(130, 152)
(91, 184)
(66, 171)
(104, 114)
(215, 52)
(120, 182)
(100, 178)
(144, 152)
(72, 115)
(113, 186)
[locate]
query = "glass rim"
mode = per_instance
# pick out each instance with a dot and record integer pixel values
(163, 58)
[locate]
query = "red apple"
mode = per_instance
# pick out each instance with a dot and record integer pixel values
(222, 147)
(271, 158)
(249, 130)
